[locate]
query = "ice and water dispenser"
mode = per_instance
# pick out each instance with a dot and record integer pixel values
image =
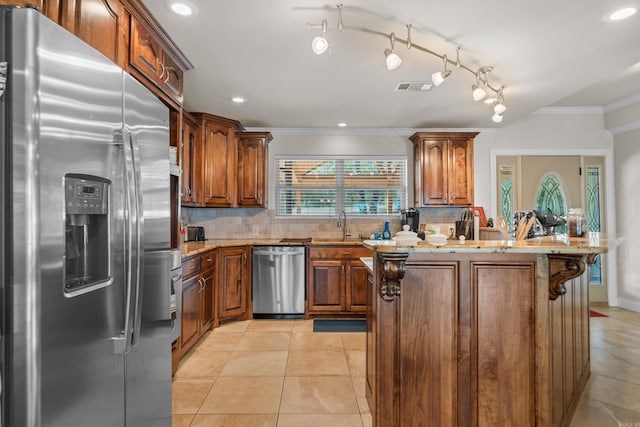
(87, 261)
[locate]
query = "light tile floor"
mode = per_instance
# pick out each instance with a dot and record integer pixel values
(272, 373)
(279, 373)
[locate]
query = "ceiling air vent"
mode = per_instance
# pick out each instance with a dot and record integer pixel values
(413, 86)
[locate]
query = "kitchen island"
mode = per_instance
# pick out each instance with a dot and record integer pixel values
(485, 333)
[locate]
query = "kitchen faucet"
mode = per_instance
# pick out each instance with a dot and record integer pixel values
(342, 222)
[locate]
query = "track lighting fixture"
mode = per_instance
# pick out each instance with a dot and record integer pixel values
(393, 60)
(481, 90)
(499, 106)
(439, 77)
(320, 44)
(478, 92)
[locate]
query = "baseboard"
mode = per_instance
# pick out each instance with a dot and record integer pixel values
(629, 305)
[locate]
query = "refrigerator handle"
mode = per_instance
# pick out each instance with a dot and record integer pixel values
(137, 219)
(121, 342)
(133, 240)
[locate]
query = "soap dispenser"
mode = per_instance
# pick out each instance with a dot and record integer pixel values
(386, 234)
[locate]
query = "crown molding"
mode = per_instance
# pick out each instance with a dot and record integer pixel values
(570, 110)
(626, 128)
(622, 103)
(404, 132)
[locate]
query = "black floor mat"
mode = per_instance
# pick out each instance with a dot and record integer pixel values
(339, 325)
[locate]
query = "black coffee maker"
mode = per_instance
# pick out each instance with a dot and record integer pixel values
(410, 216)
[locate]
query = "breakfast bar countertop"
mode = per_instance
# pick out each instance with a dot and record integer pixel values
(559, 243)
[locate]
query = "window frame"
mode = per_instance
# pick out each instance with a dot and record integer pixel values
(340, 184)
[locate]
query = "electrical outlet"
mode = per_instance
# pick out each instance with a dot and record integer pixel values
(255, 230)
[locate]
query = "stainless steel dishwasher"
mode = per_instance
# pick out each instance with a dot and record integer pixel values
(278, 281)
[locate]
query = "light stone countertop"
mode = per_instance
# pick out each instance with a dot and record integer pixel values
(193, 248)
(558, 244)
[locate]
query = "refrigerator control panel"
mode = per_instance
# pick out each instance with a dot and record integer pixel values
(84, 196)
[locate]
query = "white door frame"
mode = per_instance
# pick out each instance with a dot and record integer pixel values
(610, 205)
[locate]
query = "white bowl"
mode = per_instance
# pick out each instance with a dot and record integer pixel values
(437, 239)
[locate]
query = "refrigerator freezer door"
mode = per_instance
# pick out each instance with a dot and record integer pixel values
(148, 364)
(67, 110)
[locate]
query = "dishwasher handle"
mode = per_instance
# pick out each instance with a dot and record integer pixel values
(278, 252)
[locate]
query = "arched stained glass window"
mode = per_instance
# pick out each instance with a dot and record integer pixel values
(551, 196)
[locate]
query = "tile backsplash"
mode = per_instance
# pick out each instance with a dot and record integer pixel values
(263, 223)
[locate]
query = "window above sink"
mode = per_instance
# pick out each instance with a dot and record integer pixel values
(323, 186)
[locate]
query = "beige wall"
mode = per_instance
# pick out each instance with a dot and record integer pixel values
(627, 161)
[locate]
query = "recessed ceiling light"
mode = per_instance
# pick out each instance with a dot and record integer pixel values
(183, 7)
(342, 124)
(621, 14)
(238, 99)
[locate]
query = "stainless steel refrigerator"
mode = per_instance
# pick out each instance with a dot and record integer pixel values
(85, 290)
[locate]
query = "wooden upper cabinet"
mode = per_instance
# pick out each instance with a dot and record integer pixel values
(145, 52)
(49, 8)
(216, 156)
(252, 169)
(101, 23)
(443, 168)
(154, 61)
(189, 138)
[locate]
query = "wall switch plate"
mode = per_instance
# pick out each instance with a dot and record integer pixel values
(255, 230)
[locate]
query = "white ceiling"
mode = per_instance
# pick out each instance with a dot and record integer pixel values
(545, 53)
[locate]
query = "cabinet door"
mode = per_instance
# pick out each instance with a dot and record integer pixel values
(101, 23)
(208, 283)
(460, 180)
(232, 283)
(189, 135)
(145, 53)
(252, 171)
(191, 289)
(372, 331)
(434, 172)
(356, 281)
(325, 285)
(219, 160)
(171, 77)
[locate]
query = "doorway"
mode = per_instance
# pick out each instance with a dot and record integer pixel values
(556, 183)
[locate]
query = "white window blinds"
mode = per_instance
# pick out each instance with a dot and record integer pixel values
(324, 186)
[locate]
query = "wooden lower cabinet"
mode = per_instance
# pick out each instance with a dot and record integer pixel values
(336, 280)
(234, 287)
(198, 286)
(473, 340)
(190, 321)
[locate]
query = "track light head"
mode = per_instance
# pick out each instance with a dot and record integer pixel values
(499, 108)
(497, 118)
(478, 93)
(393, 60)
(320, 44)
(439, 77)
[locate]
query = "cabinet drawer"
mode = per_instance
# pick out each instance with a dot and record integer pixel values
(338, 252)
(190, 267)
(208, 260)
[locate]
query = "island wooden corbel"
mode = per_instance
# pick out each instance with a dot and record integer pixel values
(565, 267)
(392, 273)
